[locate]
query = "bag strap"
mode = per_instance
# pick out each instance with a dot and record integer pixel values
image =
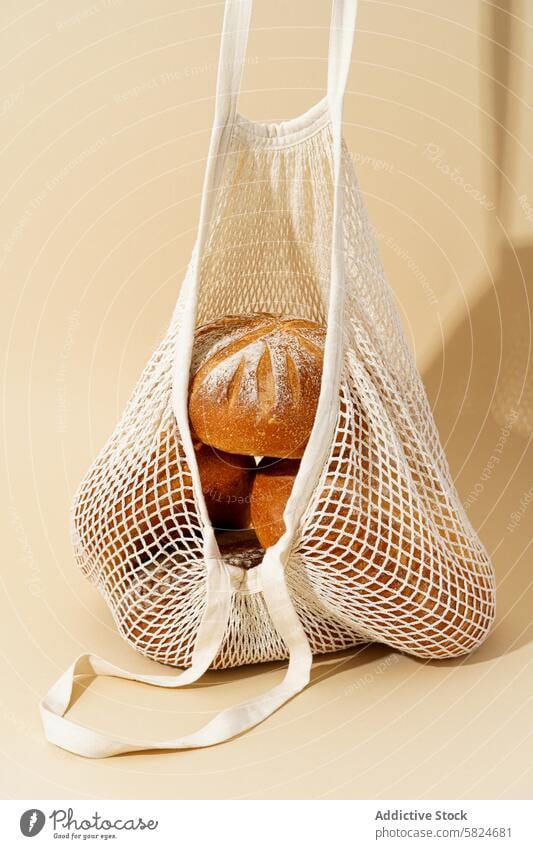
(317, 449)
(88, 742)
(233, 42)
(341, 36)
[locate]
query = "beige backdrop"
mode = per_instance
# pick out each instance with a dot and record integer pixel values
(105, 110)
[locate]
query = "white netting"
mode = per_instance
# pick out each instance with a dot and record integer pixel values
(384, 551)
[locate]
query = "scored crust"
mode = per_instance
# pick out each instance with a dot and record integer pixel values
(255, 383)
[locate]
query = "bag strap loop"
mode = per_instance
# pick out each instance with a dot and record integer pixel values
(90, 743)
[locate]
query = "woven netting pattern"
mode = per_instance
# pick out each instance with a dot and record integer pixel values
(384, 551)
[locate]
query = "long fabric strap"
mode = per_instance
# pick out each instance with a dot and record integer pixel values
(82, 740)
(316, 452)
(90, 743)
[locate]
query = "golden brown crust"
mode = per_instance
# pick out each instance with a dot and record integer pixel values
(270, 492)
(255, 383)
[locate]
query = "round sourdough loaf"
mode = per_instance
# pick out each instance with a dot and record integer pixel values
(255, 382)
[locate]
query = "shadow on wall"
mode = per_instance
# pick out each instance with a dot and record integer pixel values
(480, 389)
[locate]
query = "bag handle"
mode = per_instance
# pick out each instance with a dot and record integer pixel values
(341, 36)
(233, 44)
(234, 40)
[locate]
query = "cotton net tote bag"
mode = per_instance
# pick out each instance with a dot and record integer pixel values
(377, 546)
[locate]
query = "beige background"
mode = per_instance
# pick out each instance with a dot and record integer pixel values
(105, 110)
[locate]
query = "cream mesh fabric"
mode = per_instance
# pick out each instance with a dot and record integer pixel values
(384, 550)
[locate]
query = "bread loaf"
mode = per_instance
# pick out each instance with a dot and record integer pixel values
(148, 514)
(271, 489)
(369, 552)
(387, 562)
(152, 514)
(226, 485)
(255, 383)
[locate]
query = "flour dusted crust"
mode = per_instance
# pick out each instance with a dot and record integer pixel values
(255, 383)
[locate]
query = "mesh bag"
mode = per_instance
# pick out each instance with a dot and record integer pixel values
(377, 545)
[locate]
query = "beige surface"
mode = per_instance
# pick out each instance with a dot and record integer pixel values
(105, 109)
